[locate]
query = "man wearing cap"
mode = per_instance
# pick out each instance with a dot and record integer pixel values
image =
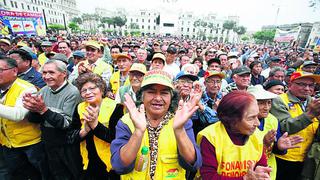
(78, 56)
(241, 77)
(158, 61)
(309, 66)
(142, 55)
(274, 86)
(171, 67)
(297, 114)
(120, 77)
(25, 70)
(136, 74)
(273, 62)
(157, 127)
(212, 95)
(46, 46)
(5, 45)
(93, 63)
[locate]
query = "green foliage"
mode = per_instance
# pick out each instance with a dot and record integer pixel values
(119, 21)
(77, 20)
(244, 38)
(135, 33)
(264, 36)
(240, 30)
(228, 25)
(56, 27)
(73, 26)
(134, 26)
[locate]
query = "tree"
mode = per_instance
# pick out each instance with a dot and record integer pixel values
(240, 30)
(55, 27)
(77, 20)
(134, 26)
(264, 36)
(119, 21)
(228, 25)
(73, 26)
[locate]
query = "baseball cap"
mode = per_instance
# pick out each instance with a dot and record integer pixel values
(157, 77)
(259, 93)
(46, 43)
(79, 53)
(301, 74)
(123, 55)
(60, 57)
(233, 55)
(208, 74)
(138, 67)
(172, 50)
(308, 63)
(216, 60)
(241, 70)
(159, 56)
(271, 83)
(182, 74)
(93, 44)
(275, 59)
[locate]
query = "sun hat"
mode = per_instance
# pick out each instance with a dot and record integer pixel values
(259, 93)
(157, 77)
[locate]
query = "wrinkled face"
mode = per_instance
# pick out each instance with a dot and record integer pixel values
(242, 80)
(141, 56)
(156, 100)
(135, 78)
(250, 120)
(92, 54)
(224, 60)
(184, 86)
(264, 107)
(7, 74)
(63, 48)
(157, 64)
(52, 77)
(257, 69)
(124, 64)
(91, 93)
(277, 89)
(184, 60)
(302, 87)
(213, 85)
(170, 57)
(22, 65)
(279, 75)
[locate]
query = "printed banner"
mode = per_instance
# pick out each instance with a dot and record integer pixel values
(14, 22)
(287, 36)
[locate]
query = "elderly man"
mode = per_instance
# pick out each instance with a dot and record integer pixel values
(22, 151)
(136, 74)
(309, 66)
(93, 63)
(53, 108)
(158, 61)
(273, 62)
(241, 77)
(120, 77)
(47, 48)
(297, 114)
(25, 70)
(5, 45)
(171, 67)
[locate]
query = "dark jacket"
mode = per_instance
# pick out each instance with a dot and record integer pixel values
(34, 77)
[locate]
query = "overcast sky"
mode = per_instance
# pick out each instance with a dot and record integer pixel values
(253, 13)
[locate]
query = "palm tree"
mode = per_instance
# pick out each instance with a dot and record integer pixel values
(229, 25)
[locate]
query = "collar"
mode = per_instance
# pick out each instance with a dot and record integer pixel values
(24, 73)
(65, 83)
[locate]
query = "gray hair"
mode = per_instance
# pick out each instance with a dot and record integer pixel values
(276, 69)
(61, 66)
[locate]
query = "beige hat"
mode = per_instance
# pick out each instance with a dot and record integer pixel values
(123, 55)
(259, 93)
(138, 67)
(157, 77)
(6, 41)
(93, 44)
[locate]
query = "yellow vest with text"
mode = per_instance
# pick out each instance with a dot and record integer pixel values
(167, 164)
(270, 122)
(233, 160)
(115, 82)
(102, 147)
(18, 134)
(298, 154)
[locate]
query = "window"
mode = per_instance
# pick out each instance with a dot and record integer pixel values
(148, 27)
(5, 2)
(143, 13)
(12, 5)
(16, 4)
(34, 9)
(136, 20)
(181, 29)
(194, 30)
(142, 26)
(148, 20)
(154, 27)
(28, 7)
(187, 29)
(168, 25)
(131, 20)
(142, 20)
(22, 5)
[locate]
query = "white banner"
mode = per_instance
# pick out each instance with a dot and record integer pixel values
(287, 36)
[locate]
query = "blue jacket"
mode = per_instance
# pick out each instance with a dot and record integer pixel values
(34, 77)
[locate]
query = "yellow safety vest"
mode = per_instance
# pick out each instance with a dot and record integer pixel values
(270, 122)
(233, 160)
(167, 164)
(42, 59)
(115, 82)
(102, 147)
(22, 133)
(100, 67)
(298, 154)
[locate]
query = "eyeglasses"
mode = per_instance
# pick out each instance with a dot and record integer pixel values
(89, 89)
(301, 84)
(213, 81)
(1, 70)
(184, 81)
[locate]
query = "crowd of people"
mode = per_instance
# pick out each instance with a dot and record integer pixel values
(90, 107)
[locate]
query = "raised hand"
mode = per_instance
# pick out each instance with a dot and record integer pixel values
(91, 116)
(269, 138)
(285, 142)
(137, 116)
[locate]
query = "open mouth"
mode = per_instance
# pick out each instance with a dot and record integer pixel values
(156, 106)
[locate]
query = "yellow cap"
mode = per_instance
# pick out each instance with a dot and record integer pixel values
(21, 44)
(93, 44)
(6, 41)
(138, 67)
(123, 55)
(157, 77)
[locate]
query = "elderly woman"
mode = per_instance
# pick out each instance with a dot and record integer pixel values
(156, 127)
(93, 126)
(274, 141)
(231, 148)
